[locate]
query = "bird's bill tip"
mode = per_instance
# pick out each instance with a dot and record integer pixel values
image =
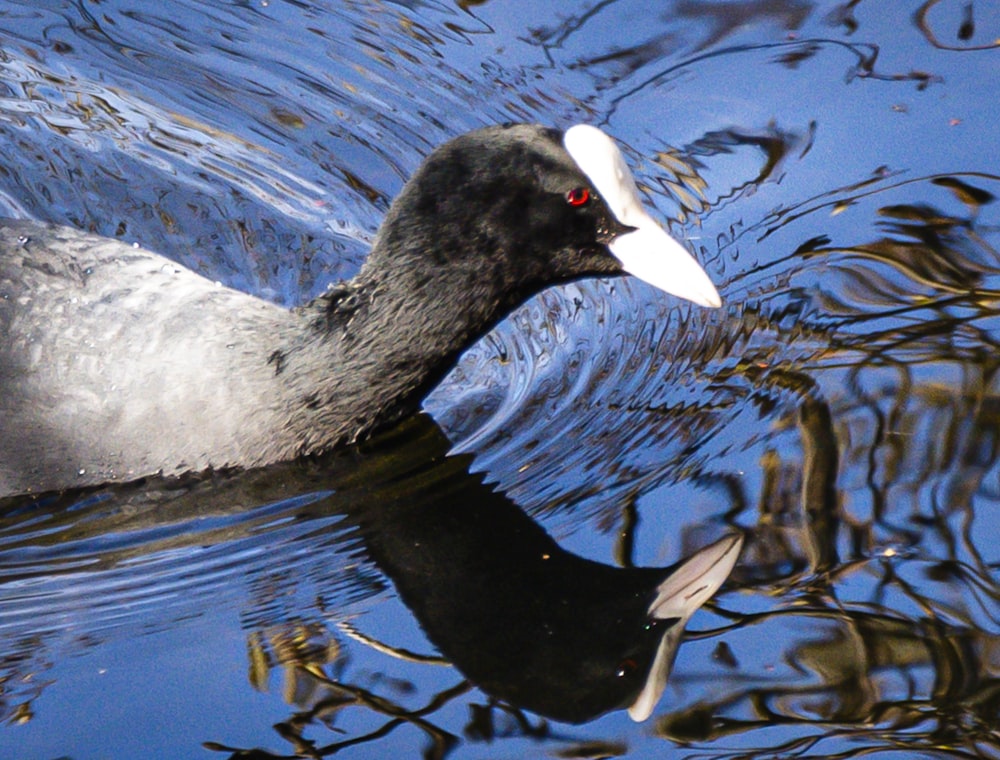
(650, 254)
(688, 587)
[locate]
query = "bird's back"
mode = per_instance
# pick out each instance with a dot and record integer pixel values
(116, 362)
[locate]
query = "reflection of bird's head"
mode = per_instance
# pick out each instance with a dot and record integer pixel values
(595, 638)
(529, 622)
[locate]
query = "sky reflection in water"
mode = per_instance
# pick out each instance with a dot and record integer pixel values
(834, 166)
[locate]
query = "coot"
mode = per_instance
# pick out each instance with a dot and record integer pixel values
(116, 363)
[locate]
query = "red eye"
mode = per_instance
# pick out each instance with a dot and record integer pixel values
(578, 196)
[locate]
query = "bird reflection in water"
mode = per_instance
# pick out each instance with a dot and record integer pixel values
(534, 626)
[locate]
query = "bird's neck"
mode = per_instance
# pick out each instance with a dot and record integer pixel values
(375, 349)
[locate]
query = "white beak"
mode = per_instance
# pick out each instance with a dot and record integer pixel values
(648, 252)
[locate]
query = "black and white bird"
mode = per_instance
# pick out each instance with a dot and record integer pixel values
(117, 363)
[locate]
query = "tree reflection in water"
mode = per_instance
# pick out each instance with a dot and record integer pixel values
(878, 538)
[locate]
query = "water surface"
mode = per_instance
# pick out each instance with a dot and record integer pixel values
(834, 166)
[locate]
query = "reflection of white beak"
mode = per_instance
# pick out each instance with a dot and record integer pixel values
(686, 589)
(648, 252)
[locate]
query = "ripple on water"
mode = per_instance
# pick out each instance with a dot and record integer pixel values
(134, 563)
(831, 166)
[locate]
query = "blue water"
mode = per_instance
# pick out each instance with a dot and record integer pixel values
(833, 166)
